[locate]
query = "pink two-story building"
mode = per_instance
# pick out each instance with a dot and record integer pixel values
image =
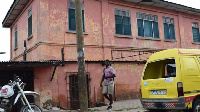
(127, 32)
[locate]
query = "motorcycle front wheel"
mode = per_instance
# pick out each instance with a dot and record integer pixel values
(34, 107)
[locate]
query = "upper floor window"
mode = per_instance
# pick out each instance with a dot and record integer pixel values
(195, 31)
(16, 37)
(72, 20)
(122, 22)
(147, 25)
(169, 28)
(29, 22)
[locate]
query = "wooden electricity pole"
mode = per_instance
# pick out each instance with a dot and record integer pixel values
(82, 82)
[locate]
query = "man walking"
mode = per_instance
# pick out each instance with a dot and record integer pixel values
(108, 86)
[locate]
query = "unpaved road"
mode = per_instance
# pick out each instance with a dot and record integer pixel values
(133, 105)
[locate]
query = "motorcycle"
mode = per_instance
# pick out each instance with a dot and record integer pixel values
(12, 92)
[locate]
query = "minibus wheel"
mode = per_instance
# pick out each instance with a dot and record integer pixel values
(196, 106)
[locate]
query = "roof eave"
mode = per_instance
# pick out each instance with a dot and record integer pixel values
(168, 5)
(14, 11)
(21, 4)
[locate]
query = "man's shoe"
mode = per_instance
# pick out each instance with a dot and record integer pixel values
(109, 107)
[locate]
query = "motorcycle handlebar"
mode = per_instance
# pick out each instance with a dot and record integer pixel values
(15, 77)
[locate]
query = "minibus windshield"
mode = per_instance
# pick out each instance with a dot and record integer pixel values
(160, 69)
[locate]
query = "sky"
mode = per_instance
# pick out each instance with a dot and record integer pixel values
(5, 32)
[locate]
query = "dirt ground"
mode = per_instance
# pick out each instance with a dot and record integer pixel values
(123, 106)
(133, 105)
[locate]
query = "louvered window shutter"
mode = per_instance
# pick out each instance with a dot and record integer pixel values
(172, 31)
(140, 27)
(127, 25)
(195, 34)
(148, 28)
(155, 30)
(118, 24)
(166, 30)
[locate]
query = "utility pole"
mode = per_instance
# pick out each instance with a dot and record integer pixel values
(82, 82)
(2, 52)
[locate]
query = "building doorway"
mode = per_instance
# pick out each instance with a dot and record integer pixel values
(74, 90)
(26, 76)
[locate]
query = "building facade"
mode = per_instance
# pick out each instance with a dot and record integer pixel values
(126, 32)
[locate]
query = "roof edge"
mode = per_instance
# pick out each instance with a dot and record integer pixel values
(171, 4)
(8, 13)
(175, 4)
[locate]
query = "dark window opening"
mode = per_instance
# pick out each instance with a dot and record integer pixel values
(169, 30)
(122, 22)
(147, 25)
(16, 36)
(195, 31)
(29, 22)
(26, 76)
(71, 14)
(74, 90)
(160, 69)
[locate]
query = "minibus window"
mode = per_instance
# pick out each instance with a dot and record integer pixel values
(160, 69)
(170, 70)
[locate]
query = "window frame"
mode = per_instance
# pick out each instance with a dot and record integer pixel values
(16, 37)
(71, 5)
(148, 18)
(161, 67)
(169, 21)
(30, 27)
(195, 25)
(123, 14)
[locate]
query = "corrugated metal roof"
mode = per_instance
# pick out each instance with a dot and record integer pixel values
(30, 63)
(57, 63)
(18, 5)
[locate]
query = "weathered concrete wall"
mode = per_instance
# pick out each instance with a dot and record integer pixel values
(186, 31)
(51, 33)
(22, 28)
(56, 92)
(135, 41)
(50, 28)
